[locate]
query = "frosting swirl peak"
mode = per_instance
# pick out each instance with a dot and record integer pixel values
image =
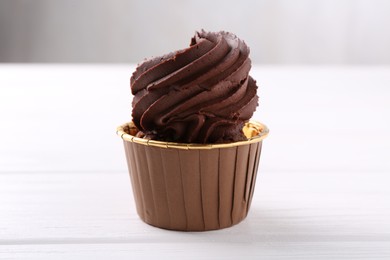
(201, 94)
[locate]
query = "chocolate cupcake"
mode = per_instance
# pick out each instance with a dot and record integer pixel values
(192, 152)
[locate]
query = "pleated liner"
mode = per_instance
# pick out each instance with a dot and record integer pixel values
(193, 190)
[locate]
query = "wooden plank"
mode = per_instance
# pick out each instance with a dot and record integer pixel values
(230, 250)
(294, 215)
(63, 117)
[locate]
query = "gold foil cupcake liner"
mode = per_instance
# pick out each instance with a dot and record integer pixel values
(193, 187)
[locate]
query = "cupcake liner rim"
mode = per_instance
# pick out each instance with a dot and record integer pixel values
(255, 132)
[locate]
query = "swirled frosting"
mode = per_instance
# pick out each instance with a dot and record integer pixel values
(201, 94)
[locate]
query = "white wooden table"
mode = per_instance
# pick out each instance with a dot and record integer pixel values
(323, 190)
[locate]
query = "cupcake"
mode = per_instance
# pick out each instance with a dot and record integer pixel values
(191, 149)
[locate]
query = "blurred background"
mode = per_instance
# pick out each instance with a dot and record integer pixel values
(123, 31)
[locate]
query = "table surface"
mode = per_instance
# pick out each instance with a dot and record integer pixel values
(322, 190)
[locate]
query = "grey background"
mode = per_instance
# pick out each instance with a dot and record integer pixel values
(278, 31)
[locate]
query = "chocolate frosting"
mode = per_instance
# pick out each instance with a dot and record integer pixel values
(201, 94)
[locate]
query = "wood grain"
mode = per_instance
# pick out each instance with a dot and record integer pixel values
(294, 215)
(322, 190)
